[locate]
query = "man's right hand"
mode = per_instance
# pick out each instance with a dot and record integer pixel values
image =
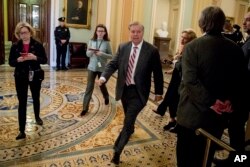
(63, 41)
(100, 82)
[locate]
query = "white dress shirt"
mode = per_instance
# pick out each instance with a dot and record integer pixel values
(136, 59)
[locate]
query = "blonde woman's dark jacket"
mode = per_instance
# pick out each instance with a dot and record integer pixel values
(22, 68)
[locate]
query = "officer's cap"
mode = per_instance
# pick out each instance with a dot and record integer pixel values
(61, 19)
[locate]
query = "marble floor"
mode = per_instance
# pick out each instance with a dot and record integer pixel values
(67, 140)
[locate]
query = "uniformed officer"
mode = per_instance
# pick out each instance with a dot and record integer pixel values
(62, 36)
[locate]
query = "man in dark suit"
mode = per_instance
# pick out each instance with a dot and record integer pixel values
(213, 88)
(62, 36)
(135, 61)
(237, 121)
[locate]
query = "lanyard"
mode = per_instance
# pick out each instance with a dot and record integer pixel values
(99, 44)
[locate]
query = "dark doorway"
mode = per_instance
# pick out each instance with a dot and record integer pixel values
(35, 12)
(1, 33)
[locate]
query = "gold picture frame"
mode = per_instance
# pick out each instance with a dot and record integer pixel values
(78, 13)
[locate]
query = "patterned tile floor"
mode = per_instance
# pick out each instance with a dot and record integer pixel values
(67, 140)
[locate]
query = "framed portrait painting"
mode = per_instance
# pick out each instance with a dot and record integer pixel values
(78, 13)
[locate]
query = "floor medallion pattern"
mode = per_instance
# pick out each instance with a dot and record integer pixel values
(68, 140)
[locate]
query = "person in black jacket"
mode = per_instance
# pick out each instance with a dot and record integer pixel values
(211, 90)
(26, 55)
(171, 98)
(62, 35)
(233, 33)
(237, 122)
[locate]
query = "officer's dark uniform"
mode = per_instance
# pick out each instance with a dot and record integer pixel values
(60, 34)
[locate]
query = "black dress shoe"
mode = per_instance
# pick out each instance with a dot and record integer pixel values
(64, 68)
(222, 162)
(83, 112)
(174, 129)
(157, 112)
(58, 68)
(116, 159)
(106, 101)
(21, 135)
(170, 125)
(39, 121)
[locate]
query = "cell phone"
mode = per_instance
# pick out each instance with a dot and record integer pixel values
(95, 50)
(23, 54)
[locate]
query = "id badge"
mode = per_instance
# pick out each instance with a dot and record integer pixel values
(99, 64)
(31, 75)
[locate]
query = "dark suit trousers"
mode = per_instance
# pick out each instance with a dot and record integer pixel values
(190, 147)
(22, 94)
(132, 106)
(171, 98)
(236, 130)
(61, 55)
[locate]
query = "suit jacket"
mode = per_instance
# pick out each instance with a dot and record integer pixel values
(246, 50)
(213, 67)
(148, 63)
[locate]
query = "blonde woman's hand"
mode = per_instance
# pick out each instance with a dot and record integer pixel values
(30, 56)
(20, 59)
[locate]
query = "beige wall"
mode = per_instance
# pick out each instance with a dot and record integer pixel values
(241, 8)
(198, 7)
(127, 16)
(174, 24)
(123, 12)
(179, 14)
(232, 8)
(228, 6)
(235, 9)
(115, 23)
(101, 11)
(117, 14)
(162, 13)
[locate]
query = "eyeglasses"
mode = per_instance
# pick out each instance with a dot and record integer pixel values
(100, 31)
(24, 33)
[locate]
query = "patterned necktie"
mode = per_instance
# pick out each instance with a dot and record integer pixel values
(130, 67)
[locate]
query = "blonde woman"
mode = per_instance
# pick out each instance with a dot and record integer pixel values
(171, 98)
(26, 55)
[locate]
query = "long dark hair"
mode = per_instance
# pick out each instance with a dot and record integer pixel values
(105, 37)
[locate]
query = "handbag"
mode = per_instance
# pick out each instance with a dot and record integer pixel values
(39, 74)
